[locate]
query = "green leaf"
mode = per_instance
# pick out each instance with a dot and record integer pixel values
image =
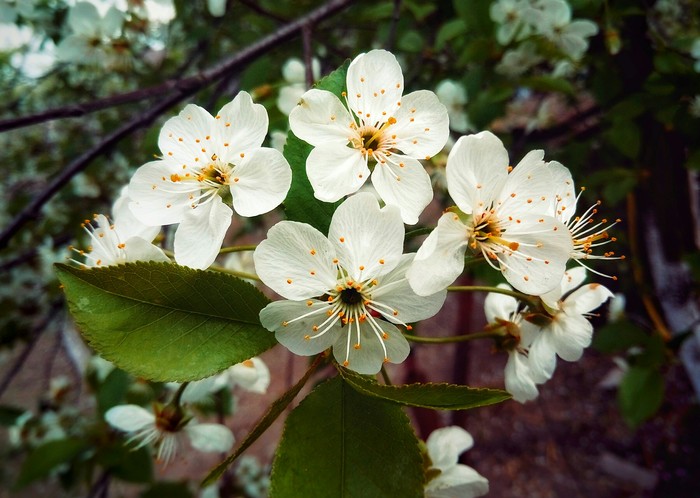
(625, 137)
(411, 41)
(340, 443)
(449, 31)
(619, 336)
(43, 459)
(9, 414)
(275, 410)
(641, 394)
(435, 396)
(300, 204)
(113, 390)
(127, 464)
(166, 322)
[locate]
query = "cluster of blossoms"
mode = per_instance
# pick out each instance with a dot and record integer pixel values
(354, 290)
(524, 22)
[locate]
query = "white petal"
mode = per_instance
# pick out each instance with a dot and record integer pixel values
(284, 261)
(183, 137)
(393, 290)
(242, 125)
(518, 379)
(570, 335)
(403, 182)
(375, 85)
(199, 237)
(440, 259)
(111, 23)
(446, 444)
(320, 118)
(84, 18)
(296, 335)
(500, 306)
(289, 98)
(573, 278)
(129, 418)
(138, 249)
(156, 199)
(476, 169)
(565, 193)
(422, 125)
(367, 239)
(264, 177)
(336, 171)
(586, 299)
(371, 355)
(542, 357)
(541, 248)
(210, 438)
(200, 390)
(529, 188)
(126, 223)
(252, 375)
(459, 481)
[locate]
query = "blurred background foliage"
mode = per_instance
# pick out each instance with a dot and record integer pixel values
(622, 113)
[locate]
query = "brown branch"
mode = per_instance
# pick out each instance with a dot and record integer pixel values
(183, 85)
(184, 88)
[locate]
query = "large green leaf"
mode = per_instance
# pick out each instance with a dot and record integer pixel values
(300, 204)
(340, 443)
(166, 322)
(436, 396)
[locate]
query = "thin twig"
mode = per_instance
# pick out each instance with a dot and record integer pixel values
(395, 17)
(308, 55)
(184, 88)
(189, 85)
(34, 337)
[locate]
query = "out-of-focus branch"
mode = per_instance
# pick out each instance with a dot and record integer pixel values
(184, 86)
(183, 89)
(262, 11)
(395, 18)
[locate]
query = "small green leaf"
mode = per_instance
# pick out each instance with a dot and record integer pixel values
(113, 390)
(411, 41)
(43, 459)
(625, 136)
(275, 410)
(301, 204)
(435, 396)
(641, 394)
(166, 322)
(126, 463)
(619, 336)
(9, 415)
(448, 32)
(340, 443)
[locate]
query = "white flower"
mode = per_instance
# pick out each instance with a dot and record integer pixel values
(346, 291)
(278, 139)
(110, 245)
(380, 129)
(511, 17)
(251, 375)
(518, 61)
(503, 217)
(444, 447)
(217, 8)
(569, 331)
(587, 234)
(454, 97)
(208, 163)
(294, 73)
(92, 33)
(569, 36)
(520, 376)
(167, 430)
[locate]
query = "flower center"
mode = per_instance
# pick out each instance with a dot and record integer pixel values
(350, 296)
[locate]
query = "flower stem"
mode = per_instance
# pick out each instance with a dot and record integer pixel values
(385, 376)
(498, 290)
(178, 394)
(226, 250)
(456, 338)
(417, 232)
(239, 274)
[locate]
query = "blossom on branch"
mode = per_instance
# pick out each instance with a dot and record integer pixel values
(209, 163)
(379, 131)
(502, 213)
(347, 291)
